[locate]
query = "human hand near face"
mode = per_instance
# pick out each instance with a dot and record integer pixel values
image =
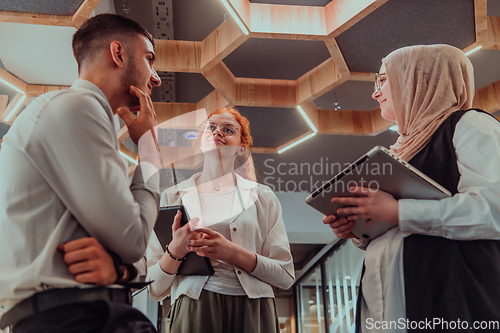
(342, 228)
(373, 205)
(89, 261)
(146, 119)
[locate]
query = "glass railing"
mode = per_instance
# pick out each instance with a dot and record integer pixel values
(327, 293)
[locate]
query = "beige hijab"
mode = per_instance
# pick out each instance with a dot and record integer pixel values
(428, 83)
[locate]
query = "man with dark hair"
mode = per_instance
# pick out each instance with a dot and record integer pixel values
(65, 196)
(96, 34)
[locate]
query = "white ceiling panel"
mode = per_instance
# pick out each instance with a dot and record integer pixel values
(38, 54)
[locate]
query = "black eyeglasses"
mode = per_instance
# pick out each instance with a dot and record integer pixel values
(379, 82)
(227, 129)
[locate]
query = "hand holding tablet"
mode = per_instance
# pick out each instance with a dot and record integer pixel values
(382, 175)
(193, 264)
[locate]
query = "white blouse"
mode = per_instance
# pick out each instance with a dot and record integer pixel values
(473, 213)
(216, 211)
(256, 225)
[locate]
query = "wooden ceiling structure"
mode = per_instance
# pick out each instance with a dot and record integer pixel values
(270, 22)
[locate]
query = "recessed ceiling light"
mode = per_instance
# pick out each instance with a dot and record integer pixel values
(15, 108)
(128, 158)
(306, 118)
(12, 86)
(296, 143)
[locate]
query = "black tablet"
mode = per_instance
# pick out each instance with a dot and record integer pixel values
(193, 264)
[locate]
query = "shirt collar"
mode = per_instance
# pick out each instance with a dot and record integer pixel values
(81, 84)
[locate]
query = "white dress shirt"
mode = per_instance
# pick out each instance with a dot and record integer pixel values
(471, 214)
(63, 179)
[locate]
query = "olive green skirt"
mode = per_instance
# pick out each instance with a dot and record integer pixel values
(217, 313)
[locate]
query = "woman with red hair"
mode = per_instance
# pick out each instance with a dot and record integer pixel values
(238, 226)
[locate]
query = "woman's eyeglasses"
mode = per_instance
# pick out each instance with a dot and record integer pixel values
(379, 82)
(226, 129)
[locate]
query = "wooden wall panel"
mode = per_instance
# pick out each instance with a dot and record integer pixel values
(75, 20)
(361, 76)
(265, 92)
(168, 111)
(242, 8)
(129, 153)
(279, 19)
(337, 56)
(274, 22)
(311, 112)
(11, 79)
(221, 78)
(122, 134)
(34, 18)
(344, 122)
(379, 124)
(481, 21)
(343, 14)
(178, 56)
(264, 35)
(37, 90)
(493, 34)
(222, 41)
(264, 150)
(318, 81)
(488, 98)
(11, 106)
(83, 12)
(4, 101)
(131, 169)
(212, 102)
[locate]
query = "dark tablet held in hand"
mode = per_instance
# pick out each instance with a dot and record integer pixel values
(193, 264)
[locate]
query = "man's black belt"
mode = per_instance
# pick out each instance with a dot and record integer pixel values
(53, 298)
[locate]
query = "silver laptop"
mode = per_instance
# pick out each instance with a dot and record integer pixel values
(377, 169)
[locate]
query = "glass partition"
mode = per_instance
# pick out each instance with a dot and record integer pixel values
(343, 269)
(311, 303)
(332, 283)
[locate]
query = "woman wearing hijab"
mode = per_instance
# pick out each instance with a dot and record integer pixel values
(239, 227)
(440, 267)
